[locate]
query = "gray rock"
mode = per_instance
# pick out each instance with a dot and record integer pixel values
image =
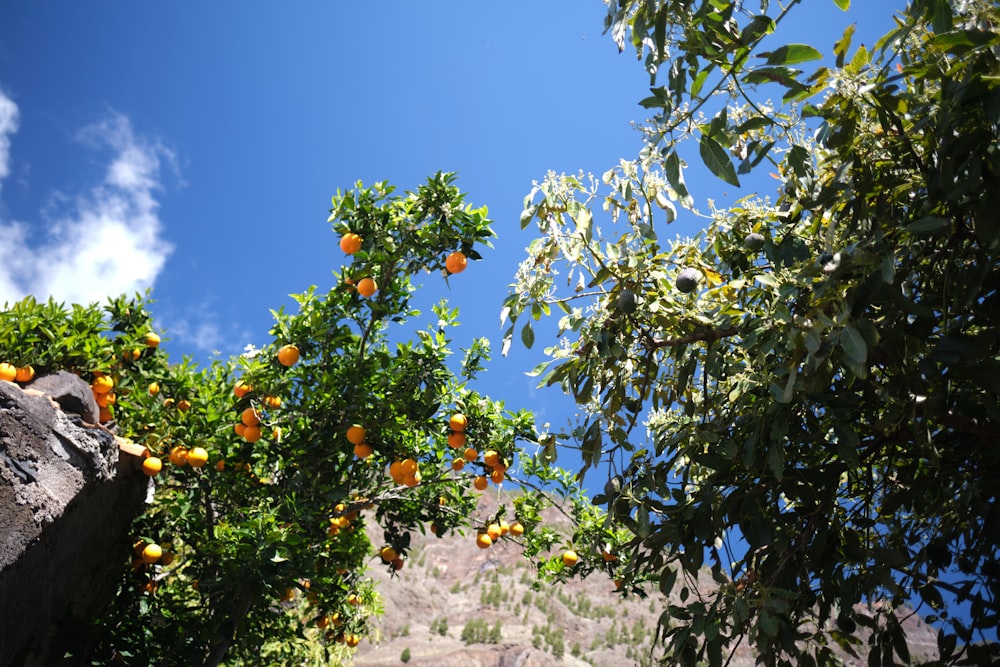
(66, 505)
(71, 393)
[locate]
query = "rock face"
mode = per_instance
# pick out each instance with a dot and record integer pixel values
(66, 503)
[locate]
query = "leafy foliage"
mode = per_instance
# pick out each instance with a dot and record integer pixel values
(265, 546)
(811, 415)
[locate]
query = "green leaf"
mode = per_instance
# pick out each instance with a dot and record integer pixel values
(927, 225)
(853, 344)
(717, 160)
(791, 54)
(527, 335)
(842, 5)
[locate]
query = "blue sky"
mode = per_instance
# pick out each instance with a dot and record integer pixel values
(194, 147)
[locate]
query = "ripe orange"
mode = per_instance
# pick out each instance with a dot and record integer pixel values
(353, 600)
(102, 385)
(152, 465)
(497, 476)
(457, 464)
(397, 564)
(493, 530)
(480, 483)
(455, 262)
(608, 557)
(355, 434)
(408, 467)
(197, 457)
(7, 372)
(483, 541)
(350, 243)
(491, 458)
(504, 527)
(470, 454)
(252, 433)
(458, 422)
(24, 374)
(352, 640)
(272, 402)
(183, 405)
(569, 558)
(241, 389)
(363, 450)
(288, 355)
(367, 287)
(250, 417)
(240, 428)
(178, 455)
(104, 400)
(220, 465)
(151, 553)
(105, 415)
(456, 439)
(388, 554)
(516, 529)
(411, 480)
(154, 389)
(322, 622)
(152, 339)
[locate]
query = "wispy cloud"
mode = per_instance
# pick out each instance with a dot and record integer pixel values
(8, 126)
(105, 241)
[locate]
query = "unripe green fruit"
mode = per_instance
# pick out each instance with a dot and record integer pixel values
(626, 301)
(687, 280)
(753, 241)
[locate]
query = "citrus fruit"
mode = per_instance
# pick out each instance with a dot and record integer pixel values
(363, 450)
(493, 530)
(220, 465)
(356, 435)
(152, 465)
(457, 464)
(183, 405)
(491, 457)
(250, 417)
(272, 402)
(252, 433)
(104, 400)
(151, 553)
(455, 262)
(288, 355)
(397, 564)
(197, 457)
(480, 483)
(458, 422)
(7, 372)
(367, 287)
(350, 243)
(608, 557)
(516, 529)
(411, 480)
(569, 558)
(483, 541)
(470, 454)
(388, 554)
(152, 339)
(504, 527)
(240, 428)
(408, 467)
(241, 389)
(102, 385)
(352, 640)
(497, 476)
(178, 455)
(154, 389)
(353, 600)
(24, 374)
(456, 439)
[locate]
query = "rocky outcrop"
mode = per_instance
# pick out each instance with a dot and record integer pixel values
(66, 502)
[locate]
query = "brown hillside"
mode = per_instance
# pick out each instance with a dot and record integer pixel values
(450, 588)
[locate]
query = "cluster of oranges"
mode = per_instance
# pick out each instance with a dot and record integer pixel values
(405, 472)
(351, 243)
(493, 531)
(342, 521)
(391, 557)
(12, 373)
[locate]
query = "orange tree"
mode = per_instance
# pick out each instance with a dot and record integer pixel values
(798, 407)
(275, 468)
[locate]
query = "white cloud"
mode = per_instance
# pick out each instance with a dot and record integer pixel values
(8, 126)
(100, 243)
